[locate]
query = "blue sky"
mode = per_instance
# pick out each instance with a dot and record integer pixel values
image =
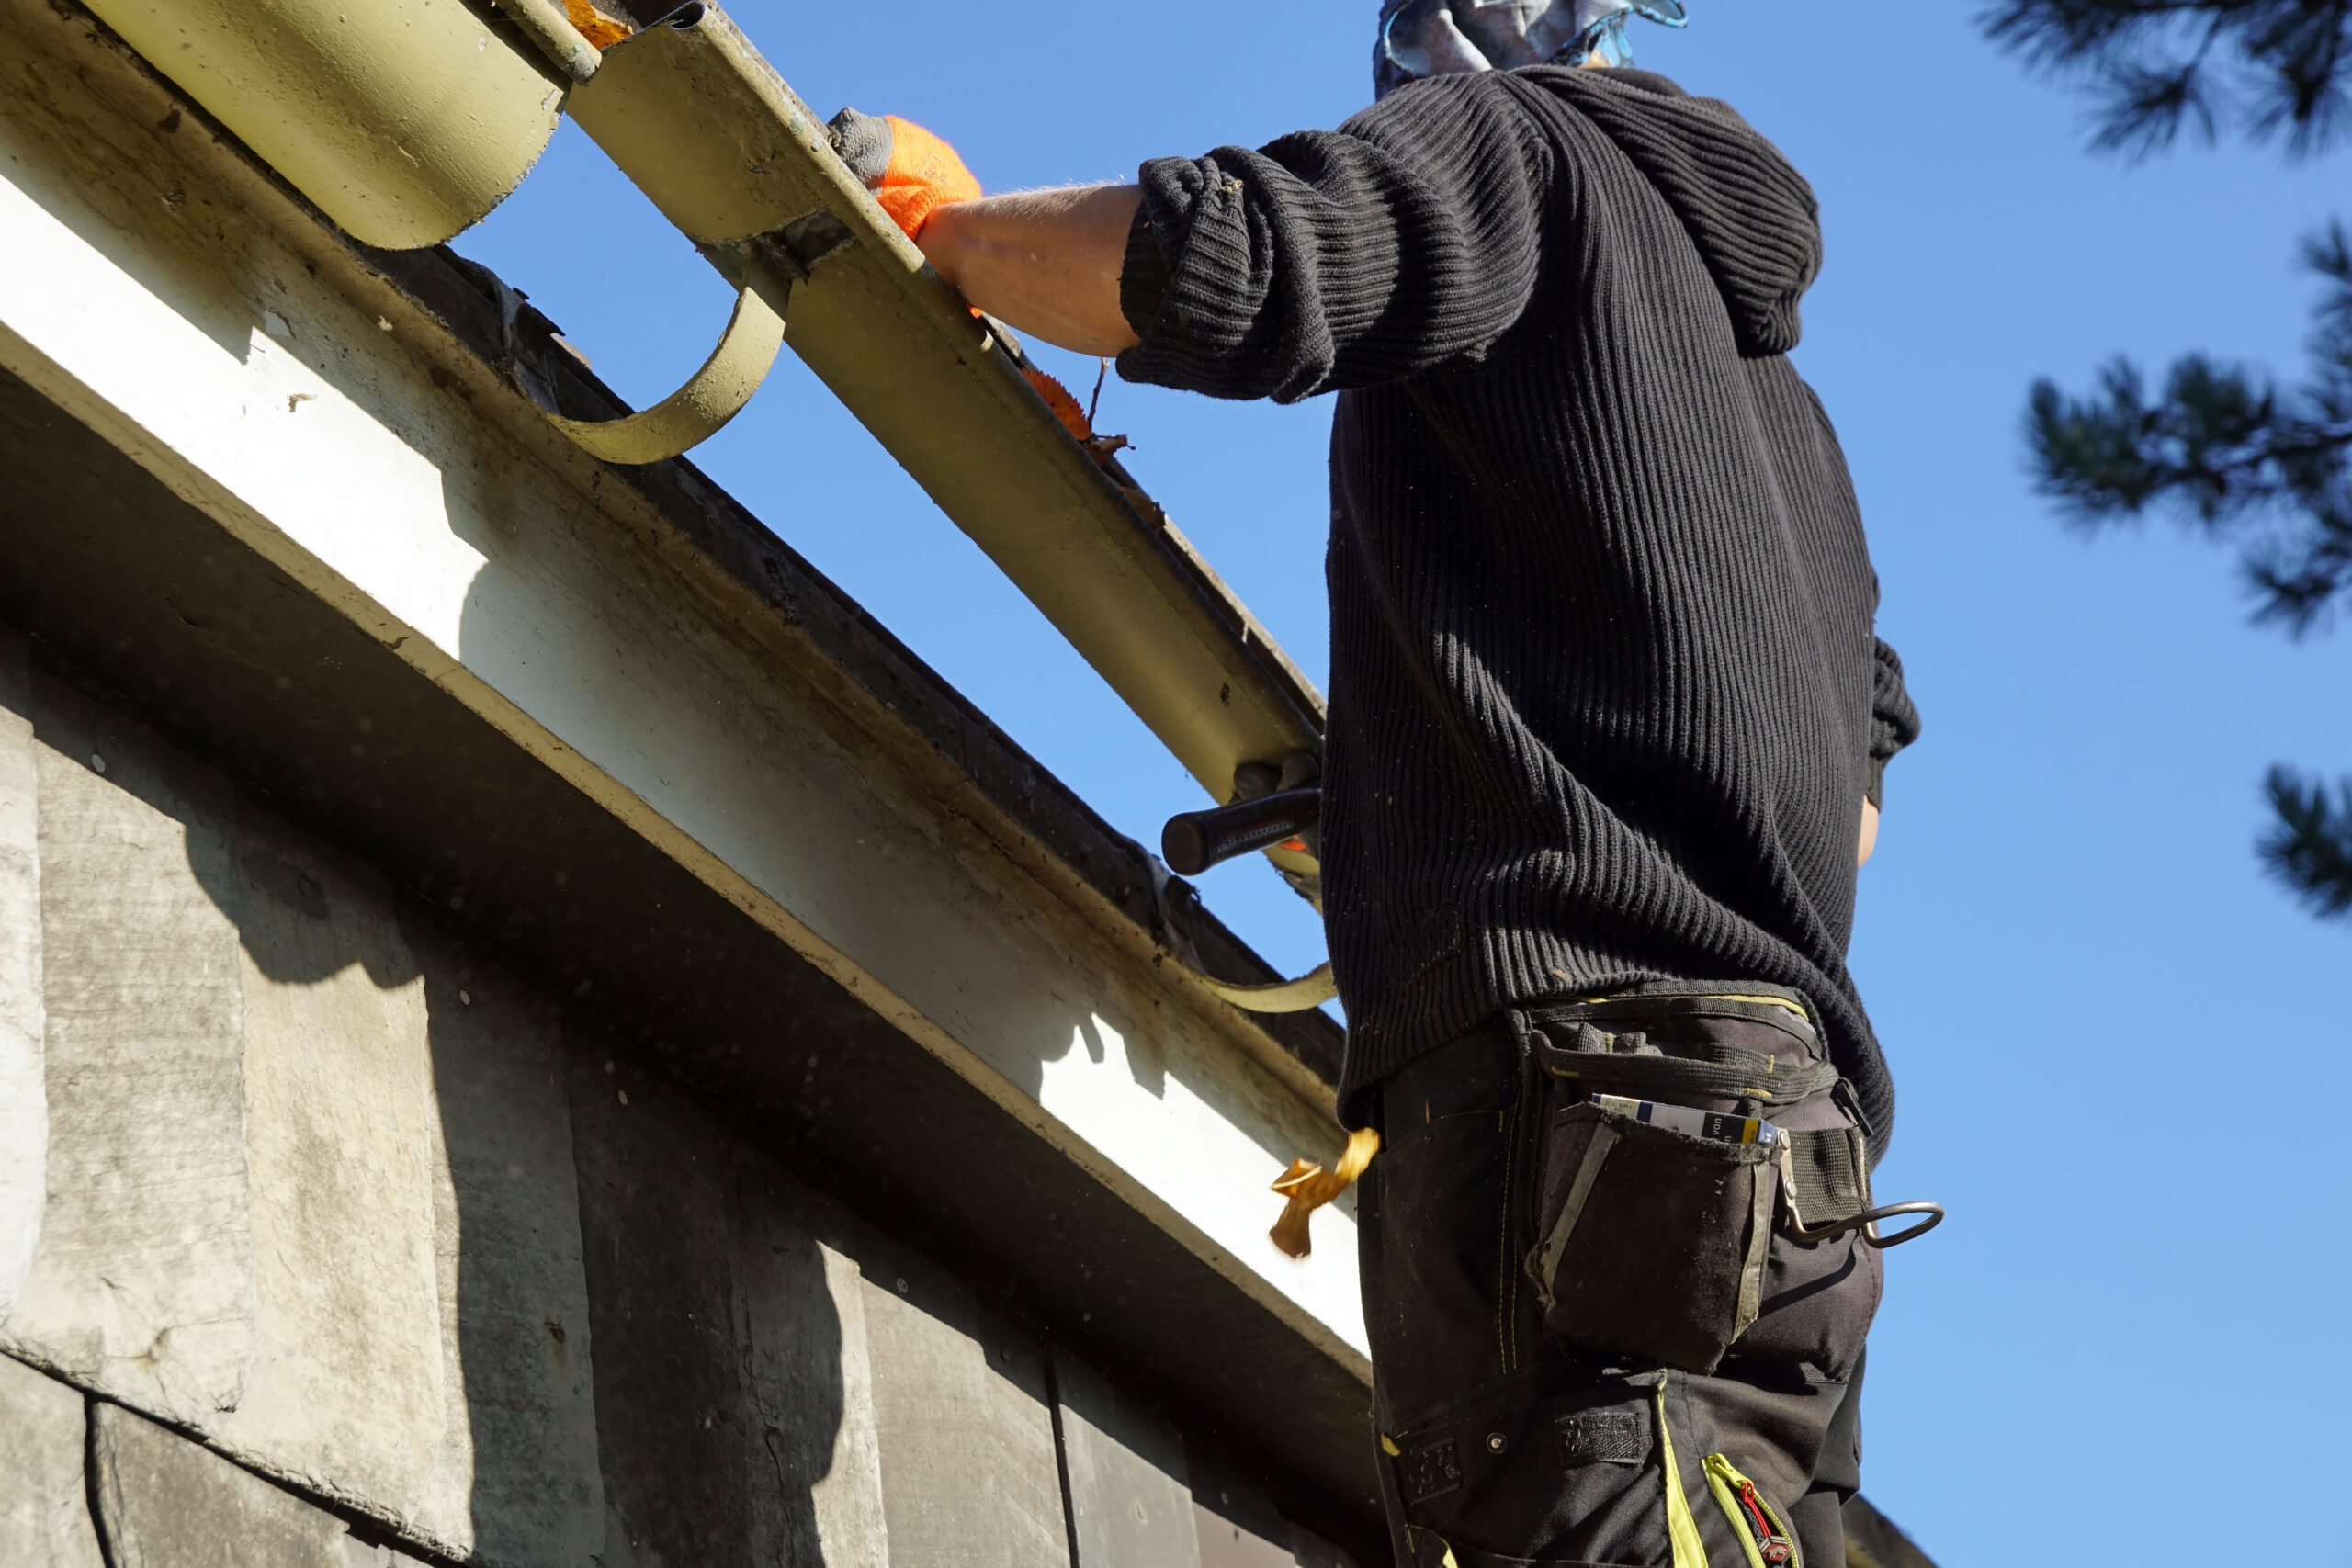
(2099, 1014)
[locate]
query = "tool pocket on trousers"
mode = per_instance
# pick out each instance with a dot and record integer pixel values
(1648, 1242)
(1580, 1478)
(1760, 1529)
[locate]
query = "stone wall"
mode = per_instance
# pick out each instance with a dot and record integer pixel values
(324, 1240)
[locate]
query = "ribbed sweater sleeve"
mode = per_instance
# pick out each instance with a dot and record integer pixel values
(1605, 694)
(1409, 239)
(1894, 720)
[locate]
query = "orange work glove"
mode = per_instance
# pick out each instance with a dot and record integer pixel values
(910, 172)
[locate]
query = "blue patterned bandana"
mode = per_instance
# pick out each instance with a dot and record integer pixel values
(1440, 38)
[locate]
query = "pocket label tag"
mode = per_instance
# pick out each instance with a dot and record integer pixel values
(1599, 1436)
(1431, 1470)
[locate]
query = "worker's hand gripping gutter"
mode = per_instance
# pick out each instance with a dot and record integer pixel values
(914, 176)
(912, 173)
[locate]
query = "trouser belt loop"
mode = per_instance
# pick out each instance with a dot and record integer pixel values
(1825, 1174)
(1825, 1190)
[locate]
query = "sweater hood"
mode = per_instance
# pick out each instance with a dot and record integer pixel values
(1751, 215)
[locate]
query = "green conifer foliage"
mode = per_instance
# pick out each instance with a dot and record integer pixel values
(2309, 847)
(2266, 67)
(2225, 446)
(2221, 445)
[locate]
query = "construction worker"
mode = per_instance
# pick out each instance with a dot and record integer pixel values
(1608, 718)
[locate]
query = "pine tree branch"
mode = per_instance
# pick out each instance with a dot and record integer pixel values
(2224, 445)
(2267, 68)
(2310, 846)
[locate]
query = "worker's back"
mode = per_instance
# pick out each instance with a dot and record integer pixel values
(1604, 690)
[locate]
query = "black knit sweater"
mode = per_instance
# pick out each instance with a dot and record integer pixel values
(1605, 695)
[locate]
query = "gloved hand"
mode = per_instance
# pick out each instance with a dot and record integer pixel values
(910, 172)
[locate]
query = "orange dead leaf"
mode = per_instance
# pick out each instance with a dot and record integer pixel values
(1058, 399)
(598, 28)
(1307, 1187)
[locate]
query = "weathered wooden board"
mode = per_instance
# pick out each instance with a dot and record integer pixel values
(278, 1229)
(674, 1424)
(143, 1282)
(1228, 1542)
(1311, 1550)
(1238, 1524)
(24, 1100)
(1130, 1498)
(164, 1502)
(969, 1476)
(345, 1397)
(44, 1493)
(800, 1321)
(359, 1554)
(516, 1484)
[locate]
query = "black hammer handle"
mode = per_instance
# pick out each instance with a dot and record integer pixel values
(1198, 839)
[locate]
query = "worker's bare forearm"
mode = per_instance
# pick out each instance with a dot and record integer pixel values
(1045, 262)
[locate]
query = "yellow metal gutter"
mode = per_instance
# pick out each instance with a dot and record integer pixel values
(406, 120)
(714, 136)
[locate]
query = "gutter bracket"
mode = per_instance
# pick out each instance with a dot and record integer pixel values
(1169, 894)
(711, 396)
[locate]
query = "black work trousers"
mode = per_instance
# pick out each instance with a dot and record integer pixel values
(1502, 1446)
